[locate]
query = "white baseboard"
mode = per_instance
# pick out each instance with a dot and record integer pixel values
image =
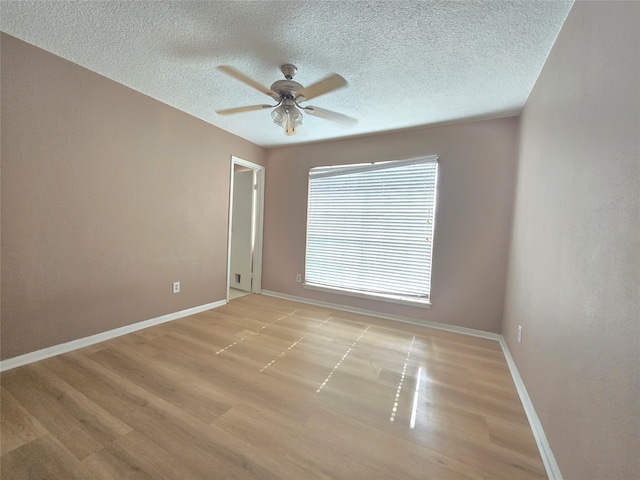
(550, 464)
(386, 316)
(101, 337)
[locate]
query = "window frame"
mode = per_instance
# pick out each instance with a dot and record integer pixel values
(416, 301)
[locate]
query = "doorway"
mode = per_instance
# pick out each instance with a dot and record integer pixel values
(246, 209)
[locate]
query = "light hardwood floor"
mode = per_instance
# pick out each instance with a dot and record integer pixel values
(235, 293)
(265, 388)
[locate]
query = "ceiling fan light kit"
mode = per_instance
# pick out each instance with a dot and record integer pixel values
(287, 116)
(288, 93)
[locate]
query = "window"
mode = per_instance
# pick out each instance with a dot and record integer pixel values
(370, 229)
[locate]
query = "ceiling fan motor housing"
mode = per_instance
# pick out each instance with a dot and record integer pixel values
(286, 88)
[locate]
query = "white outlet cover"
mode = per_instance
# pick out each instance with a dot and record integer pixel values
(176, 287)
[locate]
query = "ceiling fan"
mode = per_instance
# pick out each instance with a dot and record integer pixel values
(289, 94)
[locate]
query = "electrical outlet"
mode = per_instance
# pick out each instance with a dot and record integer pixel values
(299, 278)
(176, 287)
(519, 333)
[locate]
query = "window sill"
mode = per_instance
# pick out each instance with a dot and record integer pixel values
(413, 302)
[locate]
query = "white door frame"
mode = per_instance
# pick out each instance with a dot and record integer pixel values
(257, 222)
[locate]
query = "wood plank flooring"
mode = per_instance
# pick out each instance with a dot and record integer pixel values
(266, 388)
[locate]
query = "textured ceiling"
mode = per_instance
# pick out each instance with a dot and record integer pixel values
(408, 63)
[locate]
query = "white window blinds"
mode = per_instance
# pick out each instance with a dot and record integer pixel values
(370, 228)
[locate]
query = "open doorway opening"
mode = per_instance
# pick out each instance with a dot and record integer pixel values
(244, 266)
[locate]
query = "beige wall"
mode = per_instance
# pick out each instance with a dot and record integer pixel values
(474, 205)
(108, 196)
(574, 277)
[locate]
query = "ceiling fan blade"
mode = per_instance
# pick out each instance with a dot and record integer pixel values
(329, 84)
(250, 108)
(244, 79)
(329, 115)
